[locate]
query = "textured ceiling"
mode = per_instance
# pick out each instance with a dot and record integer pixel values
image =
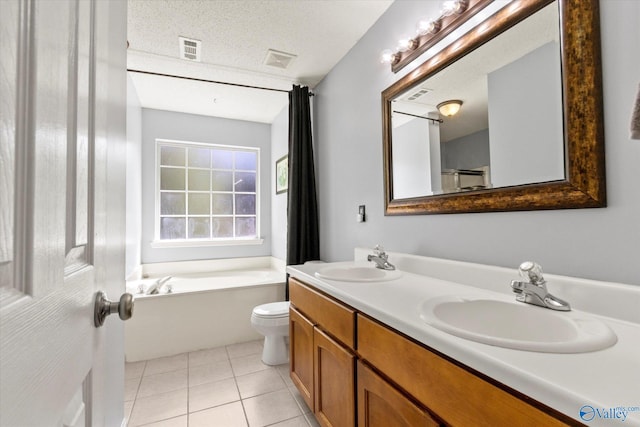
(236, 36)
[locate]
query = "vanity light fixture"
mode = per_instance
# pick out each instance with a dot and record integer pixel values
(449, 108)
(429, 31)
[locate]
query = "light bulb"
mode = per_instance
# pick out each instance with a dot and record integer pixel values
(449, 7)
(428, 26)
(405, 43)
(387, 56)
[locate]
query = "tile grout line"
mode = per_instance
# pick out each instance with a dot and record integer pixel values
(235, 381)
(301, 405)
(188, 383)
(135, 397)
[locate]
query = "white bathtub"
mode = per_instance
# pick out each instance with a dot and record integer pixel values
(209, 281)
(205, 309)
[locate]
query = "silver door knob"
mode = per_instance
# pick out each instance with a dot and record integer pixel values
(104, 307)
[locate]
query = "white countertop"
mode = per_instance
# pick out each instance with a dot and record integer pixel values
(605, 379)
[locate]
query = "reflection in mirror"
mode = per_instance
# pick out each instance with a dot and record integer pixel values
(529, 134)
(509, 129)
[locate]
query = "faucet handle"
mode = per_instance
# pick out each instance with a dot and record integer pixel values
(378, 250)
(532, 271)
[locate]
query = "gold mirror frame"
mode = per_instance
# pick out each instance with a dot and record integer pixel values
(584, 183)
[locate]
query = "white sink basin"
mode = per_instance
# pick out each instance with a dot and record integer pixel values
(356, 272)
(516, 325)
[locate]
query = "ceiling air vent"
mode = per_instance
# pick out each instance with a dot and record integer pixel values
(418, 94)
(278, 59)
(190, 49)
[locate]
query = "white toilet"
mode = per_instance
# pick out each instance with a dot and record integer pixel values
(272, 321)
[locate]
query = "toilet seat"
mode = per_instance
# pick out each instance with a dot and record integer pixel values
(273, 310)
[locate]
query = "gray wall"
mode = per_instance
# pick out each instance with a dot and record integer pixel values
(525, 111)
(279, 147)
(467, 152)
(195, 128)
(601, 244)
(134, 179)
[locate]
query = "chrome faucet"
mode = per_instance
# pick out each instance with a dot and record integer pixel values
(381, 259)
(533, 290)
(155, 287)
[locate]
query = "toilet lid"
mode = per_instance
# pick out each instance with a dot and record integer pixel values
(273, 309)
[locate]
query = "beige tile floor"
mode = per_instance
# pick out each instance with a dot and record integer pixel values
(219, 387)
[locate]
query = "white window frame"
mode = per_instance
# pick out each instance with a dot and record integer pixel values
(194, 242)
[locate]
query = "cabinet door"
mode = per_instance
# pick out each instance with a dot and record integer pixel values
(334, 382)
(301, 354)
(381, 405)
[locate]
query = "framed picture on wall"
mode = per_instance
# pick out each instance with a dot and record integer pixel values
(282, 174)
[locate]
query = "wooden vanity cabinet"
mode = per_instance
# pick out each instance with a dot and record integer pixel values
(321, 354)
(399, 382)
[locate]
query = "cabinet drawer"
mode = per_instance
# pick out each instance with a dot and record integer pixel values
(456, 395)
(330, 315)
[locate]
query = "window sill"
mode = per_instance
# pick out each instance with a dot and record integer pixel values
(201, 243)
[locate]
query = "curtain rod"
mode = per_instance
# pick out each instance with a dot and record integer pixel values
(210, 81)
(420, 117)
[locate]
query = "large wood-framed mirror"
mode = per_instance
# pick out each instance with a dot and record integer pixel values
(538, 140)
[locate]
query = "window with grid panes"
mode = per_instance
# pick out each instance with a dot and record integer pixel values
(206, 192)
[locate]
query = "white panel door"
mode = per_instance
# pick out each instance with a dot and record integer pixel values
(61, 233)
